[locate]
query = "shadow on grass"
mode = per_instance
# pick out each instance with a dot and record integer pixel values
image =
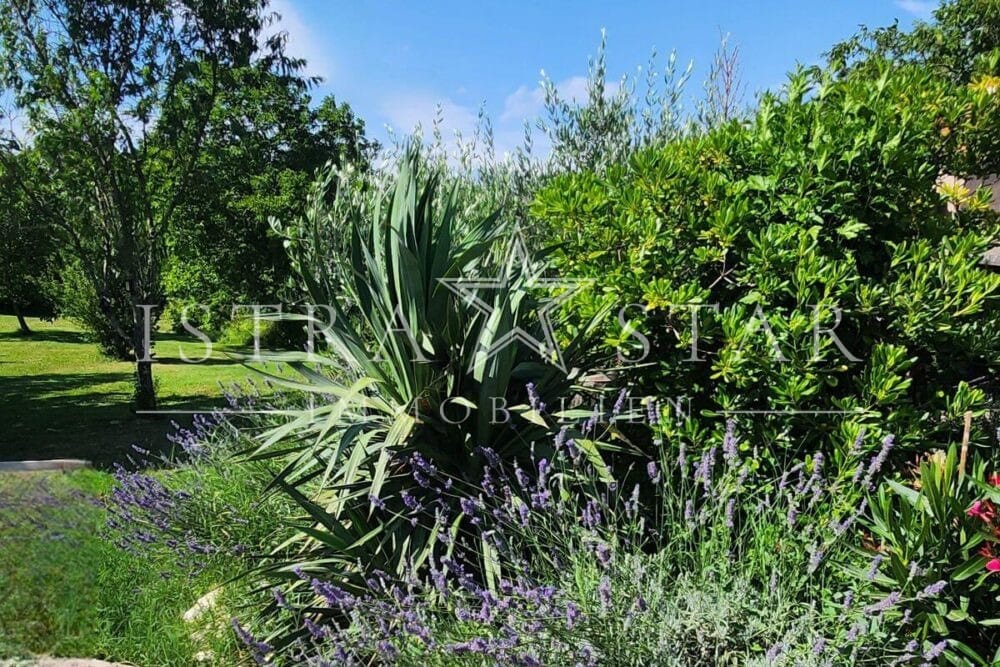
(78, 416)
(177, 361)
(46, 336)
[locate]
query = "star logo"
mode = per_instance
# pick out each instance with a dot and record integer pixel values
(529, 271)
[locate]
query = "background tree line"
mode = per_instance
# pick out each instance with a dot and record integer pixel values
(160, 137)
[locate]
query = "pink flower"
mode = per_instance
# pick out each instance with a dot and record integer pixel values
(994, 479)
(993, 565)
(981, 510)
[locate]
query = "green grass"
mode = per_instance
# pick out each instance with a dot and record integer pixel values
(59, 397)
(50, 559)
(67, 591)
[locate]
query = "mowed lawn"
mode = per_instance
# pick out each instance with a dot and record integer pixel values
(60, 398)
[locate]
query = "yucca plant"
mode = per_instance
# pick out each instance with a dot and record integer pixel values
(411, 376)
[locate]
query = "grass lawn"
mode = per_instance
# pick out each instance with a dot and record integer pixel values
(67, 591)
(60, 398)
(50, 559)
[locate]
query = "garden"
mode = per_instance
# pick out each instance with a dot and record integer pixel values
(710, 384)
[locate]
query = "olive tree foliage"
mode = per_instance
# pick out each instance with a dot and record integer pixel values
(95, 79)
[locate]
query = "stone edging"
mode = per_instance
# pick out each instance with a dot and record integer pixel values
(50, 464)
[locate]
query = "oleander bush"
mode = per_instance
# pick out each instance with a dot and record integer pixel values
(938, 533)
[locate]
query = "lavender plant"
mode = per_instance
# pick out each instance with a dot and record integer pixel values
(205, 506)
(690, 558)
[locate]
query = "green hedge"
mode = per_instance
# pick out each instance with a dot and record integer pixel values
(826, 197)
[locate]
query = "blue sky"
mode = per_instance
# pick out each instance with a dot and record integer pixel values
(394, 61)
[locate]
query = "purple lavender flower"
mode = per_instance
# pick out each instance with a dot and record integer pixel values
(541, 499)
(632, 506)
(876, 464)
(279, 598)
(858, 443)
(573, 615)
(935, 651)
(410, 501)
(817, 472)
(730, 513)
(932, 590)
(816, 558)
(521, 477)
(876, 563)
(259, 649)
(604, 592)
(653, 472)
(783, 482)
(603, 552)
(703, 473)
(333, 595)
(560, 439)
(730, 447)
(616, 409)
(468, 506)
(543, 471)
(488, 453)
(316, 631)
(591, 518)
(387, 650)
(775, 651)
(533, 400)
(888, 602)
(652, 412)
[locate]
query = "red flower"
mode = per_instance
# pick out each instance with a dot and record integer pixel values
(994, 479)
(982, 509)
(993, 565)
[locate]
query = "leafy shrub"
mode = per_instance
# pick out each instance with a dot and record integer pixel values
(202, 510)
(77, 299)
(820, 212)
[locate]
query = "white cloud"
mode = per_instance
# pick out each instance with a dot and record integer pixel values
(527, 103)
(405, 111)
(920, 8)
(302, 42)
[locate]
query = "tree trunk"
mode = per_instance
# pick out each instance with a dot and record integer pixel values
(21, 322)
(145, 390)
